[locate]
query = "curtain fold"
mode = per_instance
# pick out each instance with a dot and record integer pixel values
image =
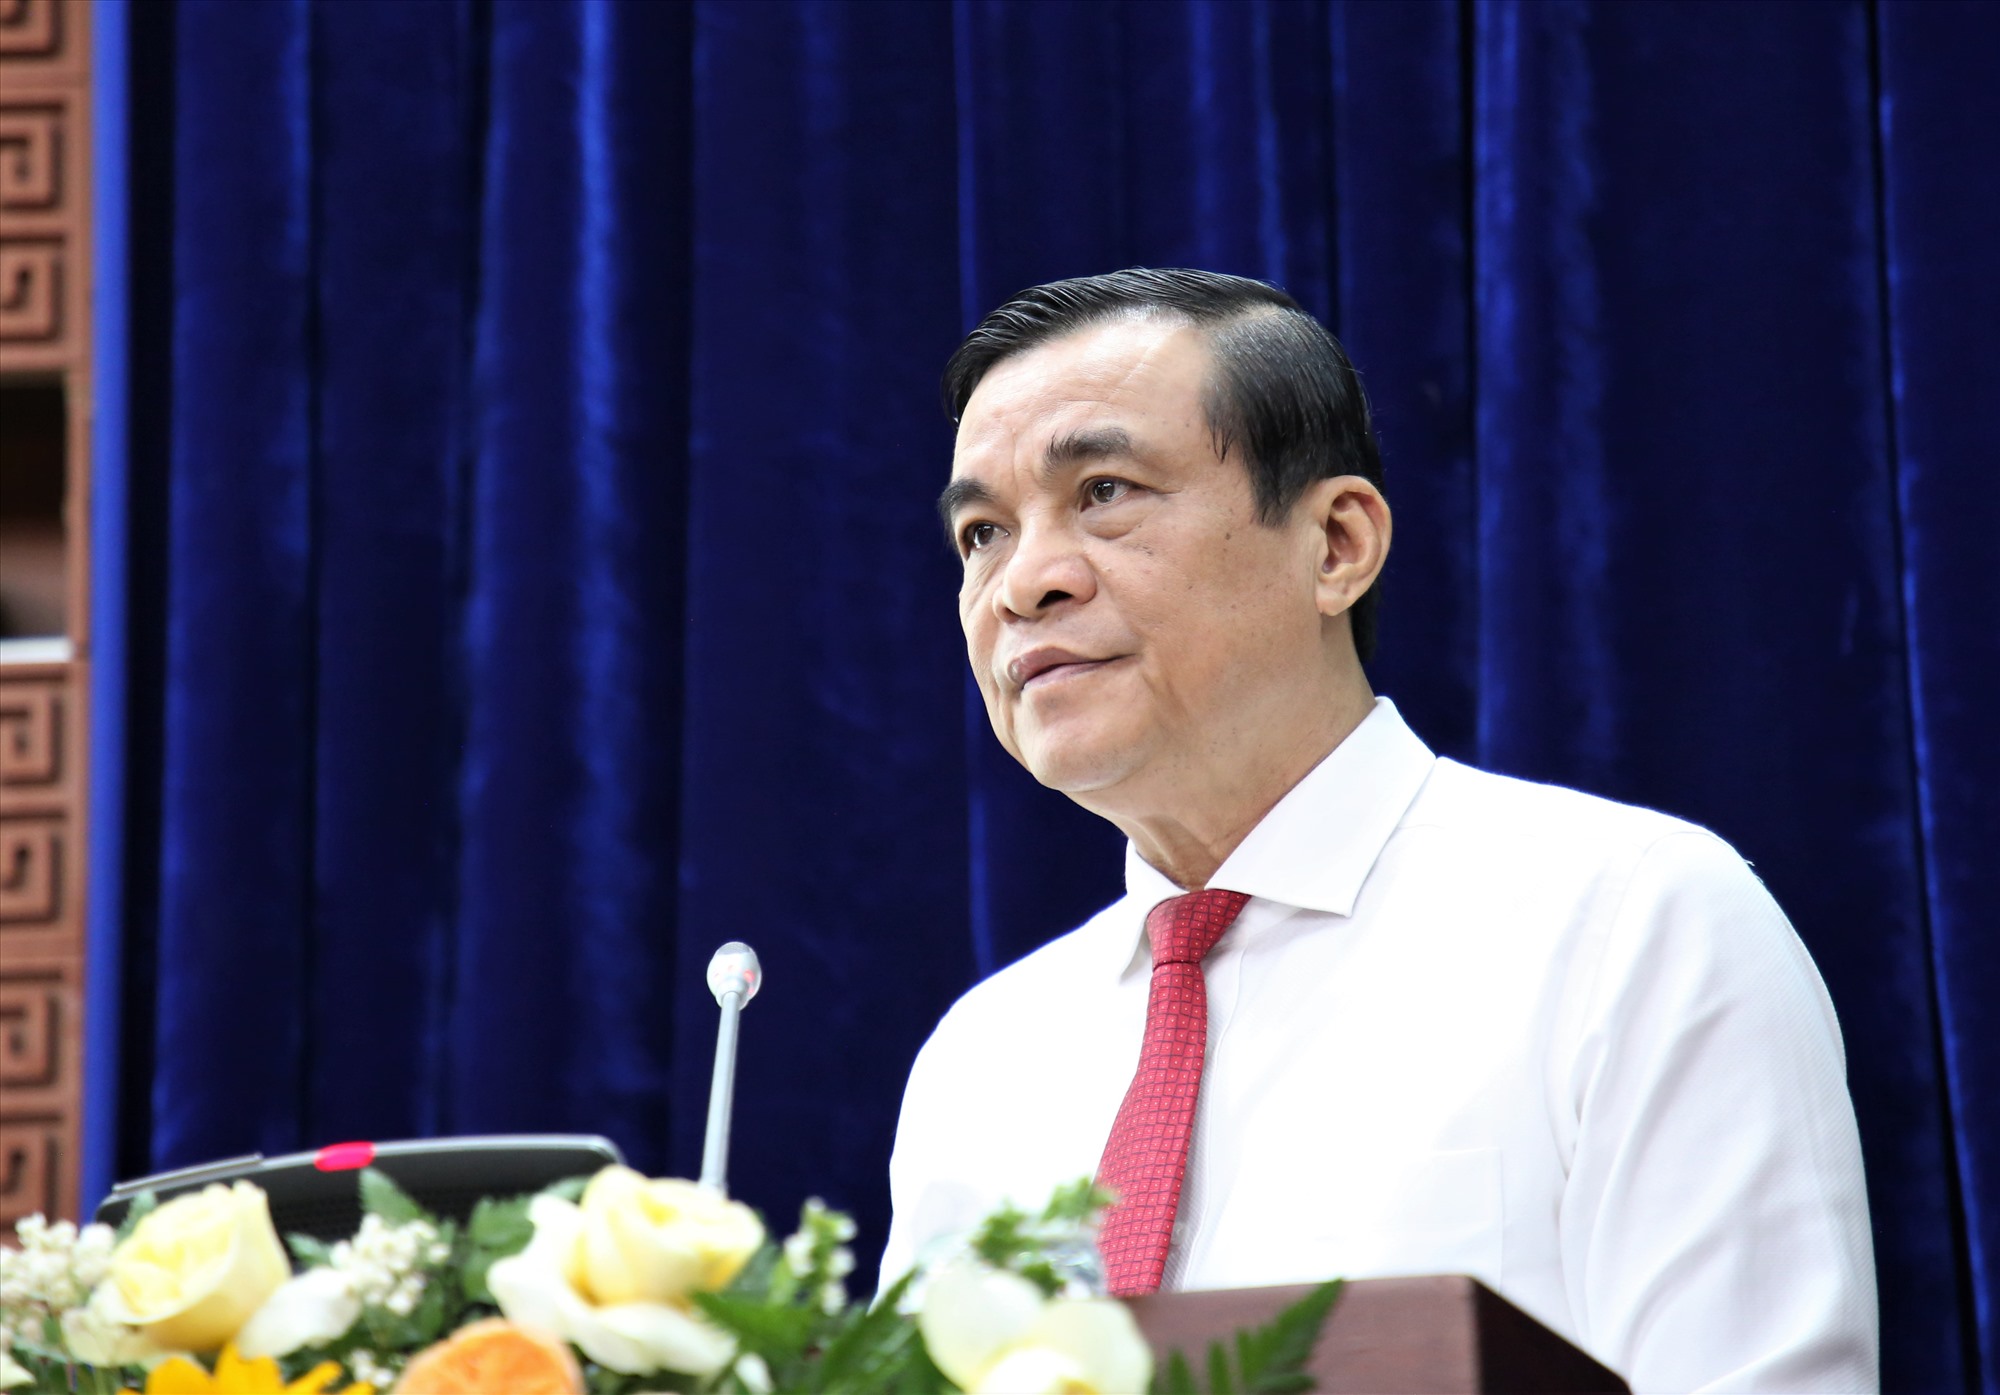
(234, 868)
(1688, 581)
(823, 797)
(1939, 224)
(393, 305)
(547, 587)
(561, 1005)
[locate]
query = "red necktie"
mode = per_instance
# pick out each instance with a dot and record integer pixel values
(1145, 1158)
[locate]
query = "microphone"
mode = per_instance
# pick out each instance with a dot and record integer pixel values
(734, 975)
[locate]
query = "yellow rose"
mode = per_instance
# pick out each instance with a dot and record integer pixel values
(658, 1241)
(614, 1274)
(993, 1333)
(191, 1273)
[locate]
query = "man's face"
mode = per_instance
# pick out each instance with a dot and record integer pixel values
(1130, 623)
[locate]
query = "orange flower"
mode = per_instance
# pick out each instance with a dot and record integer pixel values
(235, 1376)
(492, 1355)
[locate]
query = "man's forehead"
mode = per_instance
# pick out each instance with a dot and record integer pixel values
(1122, 375)
(1128, 354)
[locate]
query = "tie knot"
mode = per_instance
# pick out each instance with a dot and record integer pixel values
(1186, 928)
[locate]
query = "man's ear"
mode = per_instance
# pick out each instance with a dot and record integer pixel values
(1352, 525)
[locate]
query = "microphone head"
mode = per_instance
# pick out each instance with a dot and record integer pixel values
(735, 969)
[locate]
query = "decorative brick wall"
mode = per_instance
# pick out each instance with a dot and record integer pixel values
(45, 336)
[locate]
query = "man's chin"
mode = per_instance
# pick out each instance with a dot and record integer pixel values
(1078, 768)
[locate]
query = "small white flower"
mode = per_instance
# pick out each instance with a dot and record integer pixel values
(799, 1253)
(51, 1276)
(365, 1366)
(386, 1264)
(755, 1375)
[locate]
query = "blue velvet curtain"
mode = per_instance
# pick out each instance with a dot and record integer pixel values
(533, 579)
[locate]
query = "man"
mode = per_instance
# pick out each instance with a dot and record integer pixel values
(1362, 1010)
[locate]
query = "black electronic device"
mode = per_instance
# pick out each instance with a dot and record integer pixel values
(319, 1193)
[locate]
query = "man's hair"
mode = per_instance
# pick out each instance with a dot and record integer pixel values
(1283, 388)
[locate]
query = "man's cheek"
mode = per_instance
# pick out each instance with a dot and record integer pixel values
(997, 715)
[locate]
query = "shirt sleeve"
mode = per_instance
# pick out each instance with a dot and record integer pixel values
(927, 1196)
(906, 1164)
(1714, 1223)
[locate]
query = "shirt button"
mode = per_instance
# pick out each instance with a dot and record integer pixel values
(1180, 1232)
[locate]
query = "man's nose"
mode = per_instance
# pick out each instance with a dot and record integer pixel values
(1047, 567)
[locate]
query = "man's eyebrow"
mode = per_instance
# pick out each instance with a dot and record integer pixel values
(1086, 443)
(960, 494)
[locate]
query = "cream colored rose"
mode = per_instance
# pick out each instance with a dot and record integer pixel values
(659, 1241)
(191, 1273)
(994, 1333)
(615, 1274)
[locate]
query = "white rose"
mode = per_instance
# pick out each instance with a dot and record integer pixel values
(616, 1273)
(994, 1333)
(191, 1273)
(308, 1310)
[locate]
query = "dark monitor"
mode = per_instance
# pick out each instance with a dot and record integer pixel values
(319, 1193)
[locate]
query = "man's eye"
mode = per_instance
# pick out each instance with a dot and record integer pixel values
(979, 535)
(1106, 491)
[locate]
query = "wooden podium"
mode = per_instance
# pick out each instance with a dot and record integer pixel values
(1430, 1336)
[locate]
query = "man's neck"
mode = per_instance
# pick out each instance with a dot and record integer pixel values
(1190, 831)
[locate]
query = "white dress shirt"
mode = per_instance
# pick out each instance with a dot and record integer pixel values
(1466, 1024)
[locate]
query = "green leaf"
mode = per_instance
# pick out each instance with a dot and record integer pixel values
(1282, 1348)
(501, 1226)
(870, 1342)
(52, 1378)
(1250, 1353)
(1176, 1379)
(1269, 1360)
(754, 1278)
(309, 1251)
(779, 1335)
(434, 1312)
(999, 1239)
(143, 1205)
(916, 1373)
(1219, 1382)
(495, 1230)
(601, 1381)
(568, 1189)
(380, 1196)
(1077, 1202)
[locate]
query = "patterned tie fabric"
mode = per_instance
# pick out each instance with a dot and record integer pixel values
(1145, 1158)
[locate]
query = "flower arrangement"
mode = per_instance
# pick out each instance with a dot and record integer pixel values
(617, 1284)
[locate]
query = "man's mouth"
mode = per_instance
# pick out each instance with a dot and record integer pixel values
(1047, 665)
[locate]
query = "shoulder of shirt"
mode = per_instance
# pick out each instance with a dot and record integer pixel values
(1543, 828)
(1030, 983)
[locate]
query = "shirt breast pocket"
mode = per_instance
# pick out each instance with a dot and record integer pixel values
(1429, 1213)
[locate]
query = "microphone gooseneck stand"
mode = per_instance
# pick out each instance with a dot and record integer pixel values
(734, 976)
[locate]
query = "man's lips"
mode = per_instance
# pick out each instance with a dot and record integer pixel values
(1048, 662)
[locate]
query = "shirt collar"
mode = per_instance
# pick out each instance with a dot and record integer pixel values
(1316, 847)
